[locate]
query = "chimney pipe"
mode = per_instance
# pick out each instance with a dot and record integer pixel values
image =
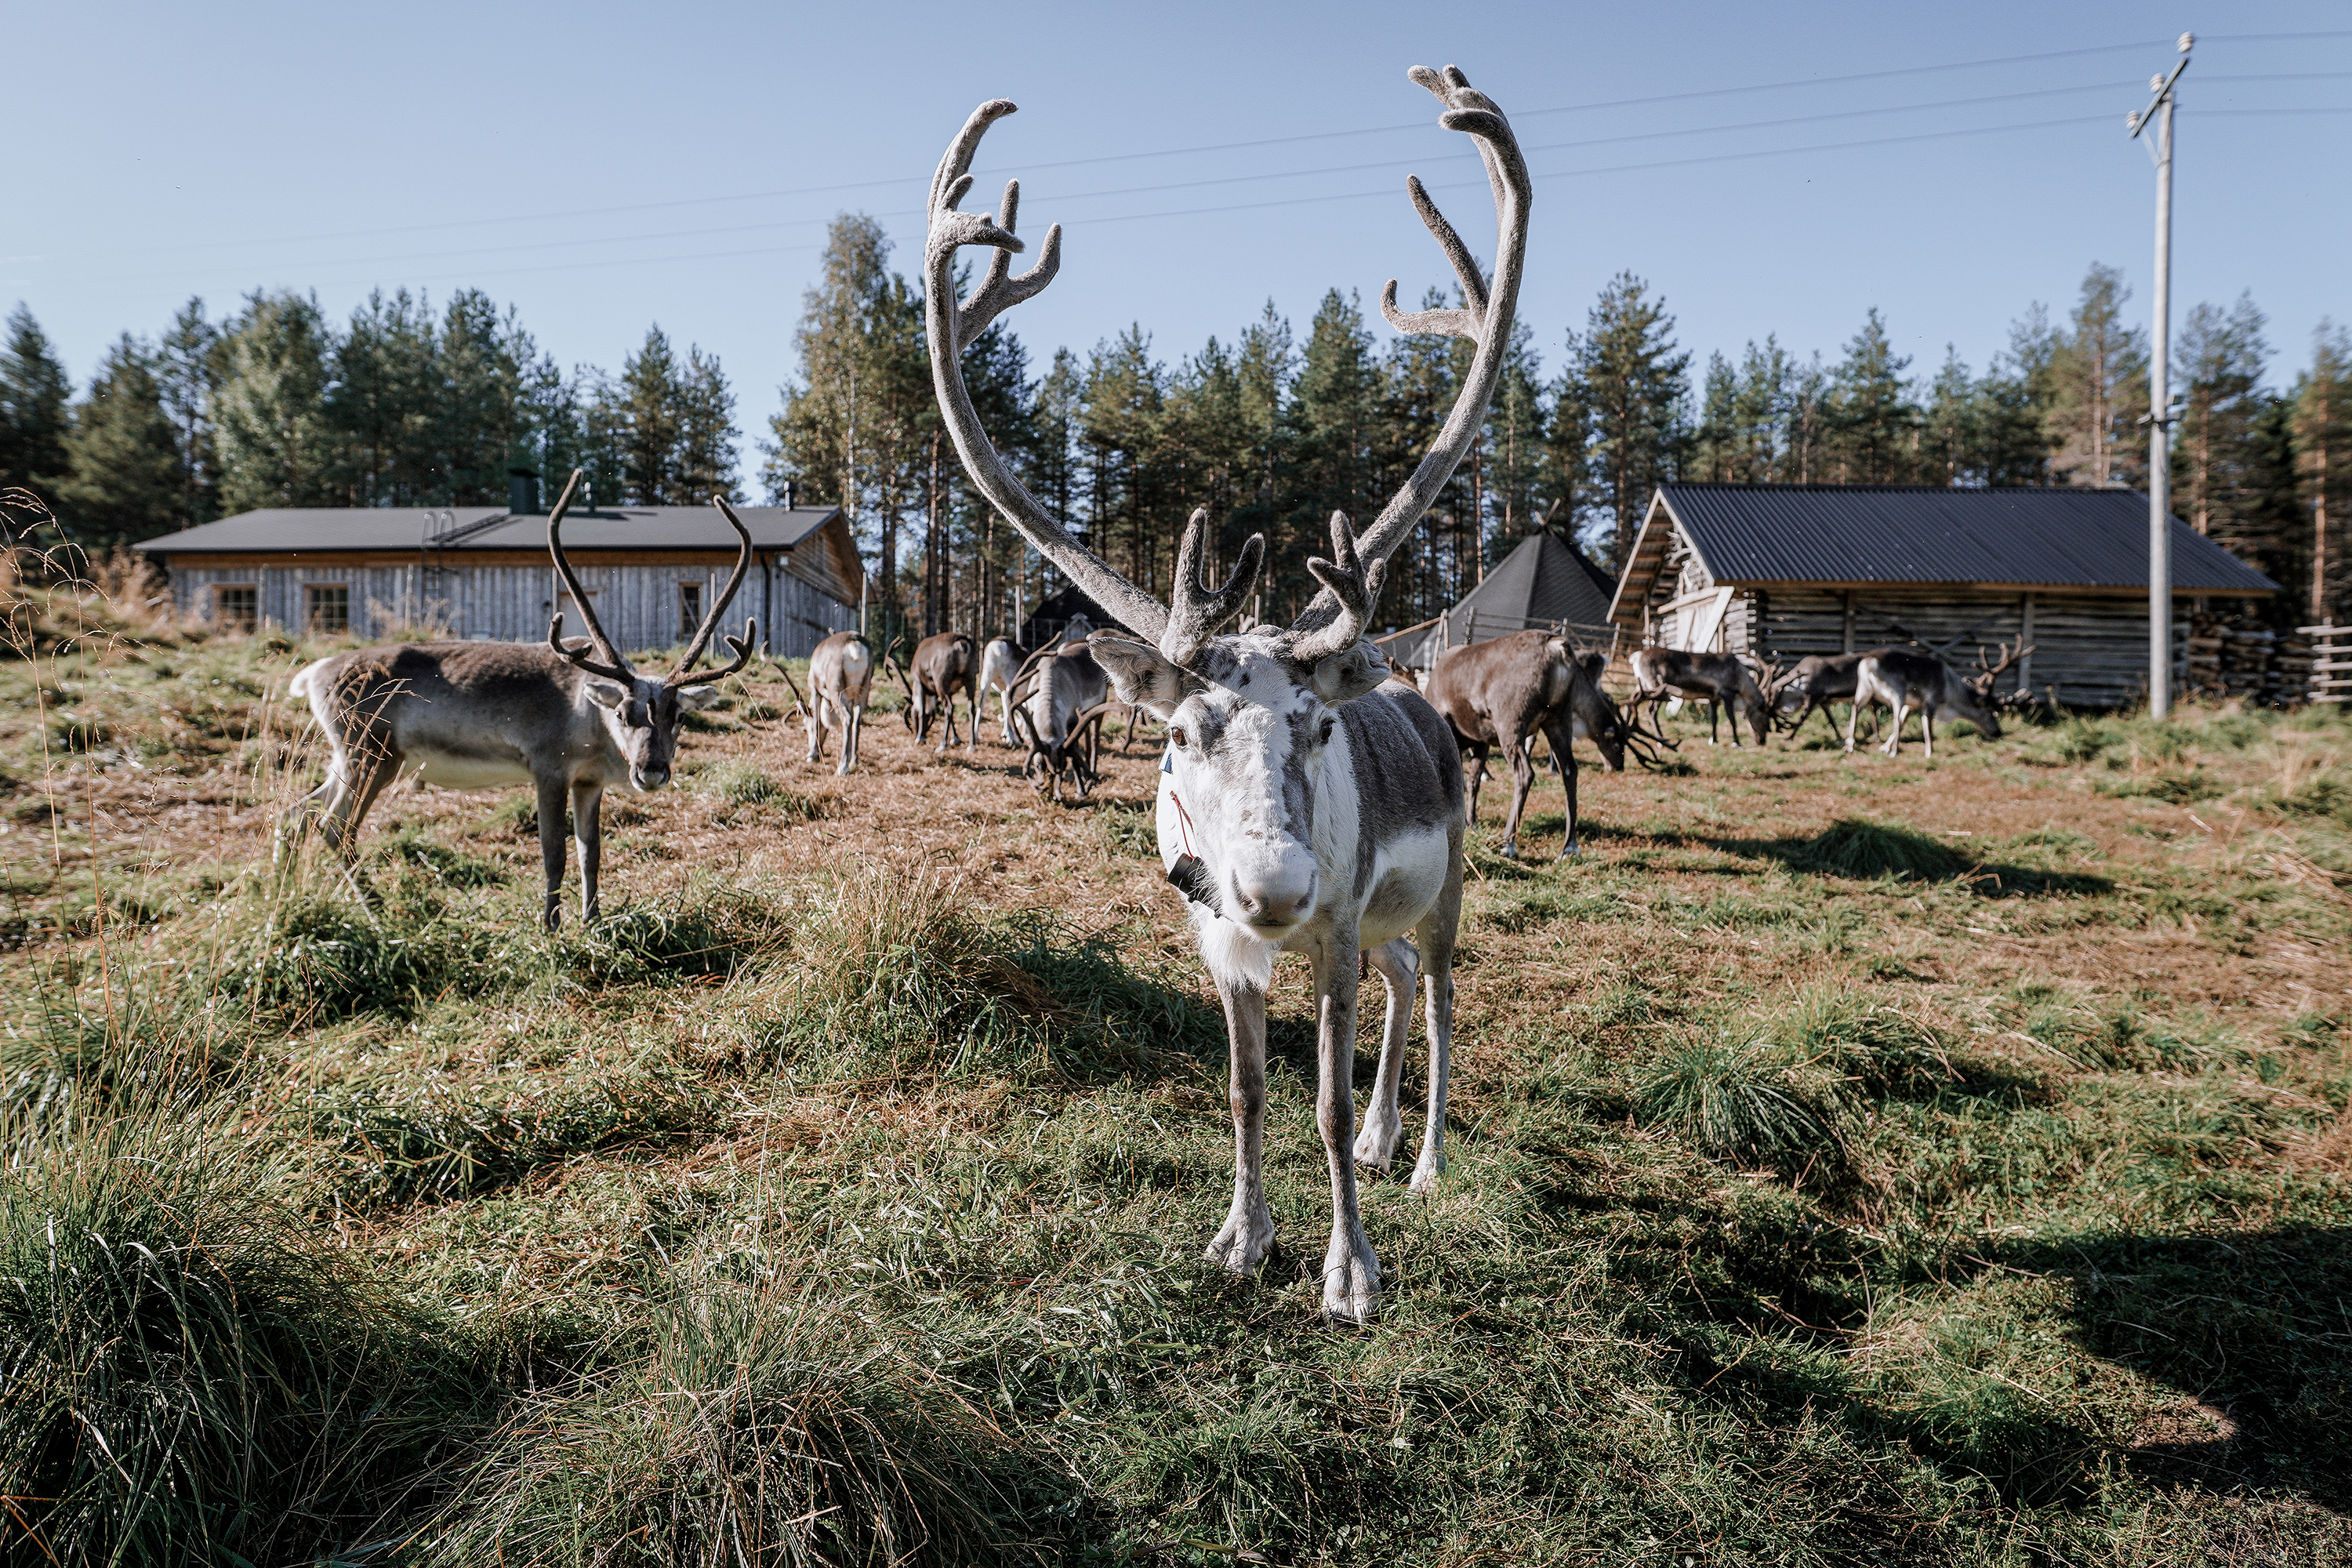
(522, 491)
(791, 494)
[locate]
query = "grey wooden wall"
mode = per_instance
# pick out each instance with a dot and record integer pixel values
(2089, 650)
(638, 605)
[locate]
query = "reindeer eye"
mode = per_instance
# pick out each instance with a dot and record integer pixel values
(1176, 736)
(1329, 724)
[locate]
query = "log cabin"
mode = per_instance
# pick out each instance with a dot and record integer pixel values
(1779, 572)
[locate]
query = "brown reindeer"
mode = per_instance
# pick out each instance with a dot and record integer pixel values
(1815, 682)
(941, 667)
(1503, 692)
(1710, 677)
(840, 683)
(483, 715)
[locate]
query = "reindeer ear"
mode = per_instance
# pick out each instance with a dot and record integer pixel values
(1142, 674)
(695, 699)
(606, 693)
(1348, 674)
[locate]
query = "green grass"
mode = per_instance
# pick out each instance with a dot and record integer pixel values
(1850, 1161)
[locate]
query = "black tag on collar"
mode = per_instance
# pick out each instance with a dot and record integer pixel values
(1191, 877)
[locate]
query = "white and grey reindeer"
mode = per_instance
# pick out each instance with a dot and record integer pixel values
(486, 715)
(1062, 719)
(1308, 807)
(841, 684)
(1904, 679)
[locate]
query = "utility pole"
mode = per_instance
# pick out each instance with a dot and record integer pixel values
(2159, 393)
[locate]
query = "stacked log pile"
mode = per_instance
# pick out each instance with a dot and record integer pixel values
(2331, 662)
(2233, 655)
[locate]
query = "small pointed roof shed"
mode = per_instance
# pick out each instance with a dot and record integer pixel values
(1546, 581)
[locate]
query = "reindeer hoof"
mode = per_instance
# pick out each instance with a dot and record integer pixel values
(1243, 1244)
(1351, 1283)
(1376, 1145)
(1425, 1175)
(1571, 850)
(1509, 851)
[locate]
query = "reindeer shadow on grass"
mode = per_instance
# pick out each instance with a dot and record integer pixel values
(1858, 849)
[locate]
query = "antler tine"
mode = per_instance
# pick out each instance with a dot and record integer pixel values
(684, 673)
(615, 666)
(1354, 590)
(1488, 308)
(949, 326)
(1198, 610)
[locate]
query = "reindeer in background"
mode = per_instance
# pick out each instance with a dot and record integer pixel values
(1308, 804)
(840, 686)
(486, 715)
(941, 667)
(1713, 679)
(1902, 680)
(1503, 692)
(1062, 720)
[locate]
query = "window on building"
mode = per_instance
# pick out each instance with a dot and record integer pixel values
(690, 609)
(327, 608)
(237, 607)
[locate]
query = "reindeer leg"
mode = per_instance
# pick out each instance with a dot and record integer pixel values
(294, 825)
(551, 793)
(854, 725)
(1438, 933)
(1477, 778)
(1383, 1127)
(815, 720)
(1928, 723)
(1563, 749)
(588, 832)
(1351, 1274)
(1894, 747)
(1523, 779)
(1248, 1232)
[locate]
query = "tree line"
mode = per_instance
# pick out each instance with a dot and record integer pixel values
(400, 406)
(1271, 429)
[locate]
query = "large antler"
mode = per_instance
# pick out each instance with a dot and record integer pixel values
(1485, 318)
(951, 326)
(1351, 582)
(615, 666)
(1992, 672)
(1198, 610)
(684, 674)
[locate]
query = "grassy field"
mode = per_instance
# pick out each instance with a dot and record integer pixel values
(1854, 1162)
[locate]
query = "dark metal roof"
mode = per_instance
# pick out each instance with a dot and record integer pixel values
(2054, 538)
(293, 530)
(1542, 583)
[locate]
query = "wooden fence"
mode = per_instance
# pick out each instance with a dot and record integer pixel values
(2331, 662)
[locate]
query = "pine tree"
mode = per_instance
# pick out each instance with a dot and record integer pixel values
(188, 370)
(1120, 436)
(1717, 454)
(384, 404)
(1760, 411)
(2219, 365)
(2098, 378)
(708, 439)
(2323, 439)
(1636, 384)
(34, 398)
(1873, 425)
(1567, 489)
(125, 482)
(1950, 435)
(275, 441)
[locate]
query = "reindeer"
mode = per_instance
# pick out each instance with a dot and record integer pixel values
(1062, 720)
(1816, 682)
(1900, 677)
(474, 715)
(1307, 803)
(1000, 664)
(1710, 677)
(941, 667)
(1504, 692)
(841, 684)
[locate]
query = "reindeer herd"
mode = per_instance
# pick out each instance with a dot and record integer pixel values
(1311, 796)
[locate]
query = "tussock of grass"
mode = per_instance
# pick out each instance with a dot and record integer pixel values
(760, 1428)
(1880, 1047)
(739, 783)
(190, 1376)
(1732, 1103)
(1858, 847)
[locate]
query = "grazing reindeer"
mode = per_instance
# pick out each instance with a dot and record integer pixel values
(1000, 664)
(1902, 678)
(1062, 720)
(840, 683)
(1505, 692)
(1816, 682)
(1710, 677)
(483, 715)
(942, 667)
(1307, 803)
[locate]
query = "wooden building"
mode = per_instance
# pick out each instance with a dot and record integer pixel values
(1779, 572)
(484, 573)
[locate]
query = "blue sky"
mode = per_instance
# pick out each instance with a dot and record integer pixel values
(605, 166)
